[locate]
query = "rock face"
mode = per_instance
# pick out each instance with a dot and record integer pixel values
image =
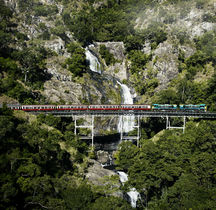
(185, 16)
(59, 91)
(184, 19)
(119, 69)
(12, 4)
(99, 176)
(57, 45)
(92, 88)
(166, 64)
(103, 157)
(96, 172)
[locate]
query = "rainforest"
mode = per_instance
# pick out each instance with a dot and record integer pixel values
(114, 53)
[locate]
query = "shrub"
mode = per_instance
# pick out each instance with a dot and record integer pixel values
(106, 55)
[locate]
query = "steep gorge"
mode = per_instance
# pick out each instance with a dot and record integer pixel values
(167, 56)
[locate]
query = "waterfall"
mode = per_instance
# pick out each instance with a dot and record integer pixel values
(94, 63)
(123, 176)
(133, 194)
(109, 163)
(128, 121)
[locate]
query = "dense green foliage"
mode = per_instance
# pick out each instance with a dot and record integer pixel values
(106, 55)
(176, 171)
(143, 78)
(36, 169)
(5, 35)
(109, 23)
(37, 173)
(24, 65)
(77, 63)
(155, 33)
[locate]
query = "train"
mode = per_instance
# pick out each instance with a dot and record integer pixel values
(113, 107)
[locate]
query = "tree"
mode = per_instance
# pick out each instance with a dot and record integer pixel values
(32, 60)
(110, 203)
(78, 197)
(139, 60)
(168, 96)
(160, 169)
(77, 62)
(5, 33)
(124, 158)
(133, 42)
(106, 55)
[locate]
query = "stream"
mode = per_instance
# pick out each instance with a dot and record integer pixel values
(133, 194)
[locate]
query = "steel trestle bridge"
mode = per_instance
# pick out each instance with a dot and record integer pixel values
(69, 113)
(75, 114)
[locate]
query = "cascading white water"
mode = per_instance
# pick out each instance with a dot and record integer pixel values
(123, 176)
(110, 163)
(94, 63)
(128, 122)
(133, 194)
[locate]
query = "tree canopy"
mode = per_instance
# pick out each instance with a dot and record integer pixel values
(176, 171)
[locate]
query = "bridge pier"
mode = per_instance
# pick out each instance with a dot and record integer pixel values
(121, 126)
(91, 126)
(168, 126)
(137, 137)
(138, 130)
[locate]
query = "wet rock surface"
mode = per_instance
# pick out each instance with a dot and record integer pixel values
(103, 157)
(96, 173)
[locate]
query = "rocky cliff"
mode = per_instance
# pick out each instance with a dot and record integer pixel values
(181, 22)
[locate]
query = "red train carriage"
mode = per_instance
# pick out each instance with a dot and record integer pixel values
(104, 107)
(72, 107)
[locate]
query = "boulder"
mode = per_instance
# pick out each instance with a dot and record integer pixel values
(103, 157)
(96, 173)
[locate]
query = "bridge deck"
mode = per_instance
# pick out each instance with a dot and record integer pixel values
(131, 113)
